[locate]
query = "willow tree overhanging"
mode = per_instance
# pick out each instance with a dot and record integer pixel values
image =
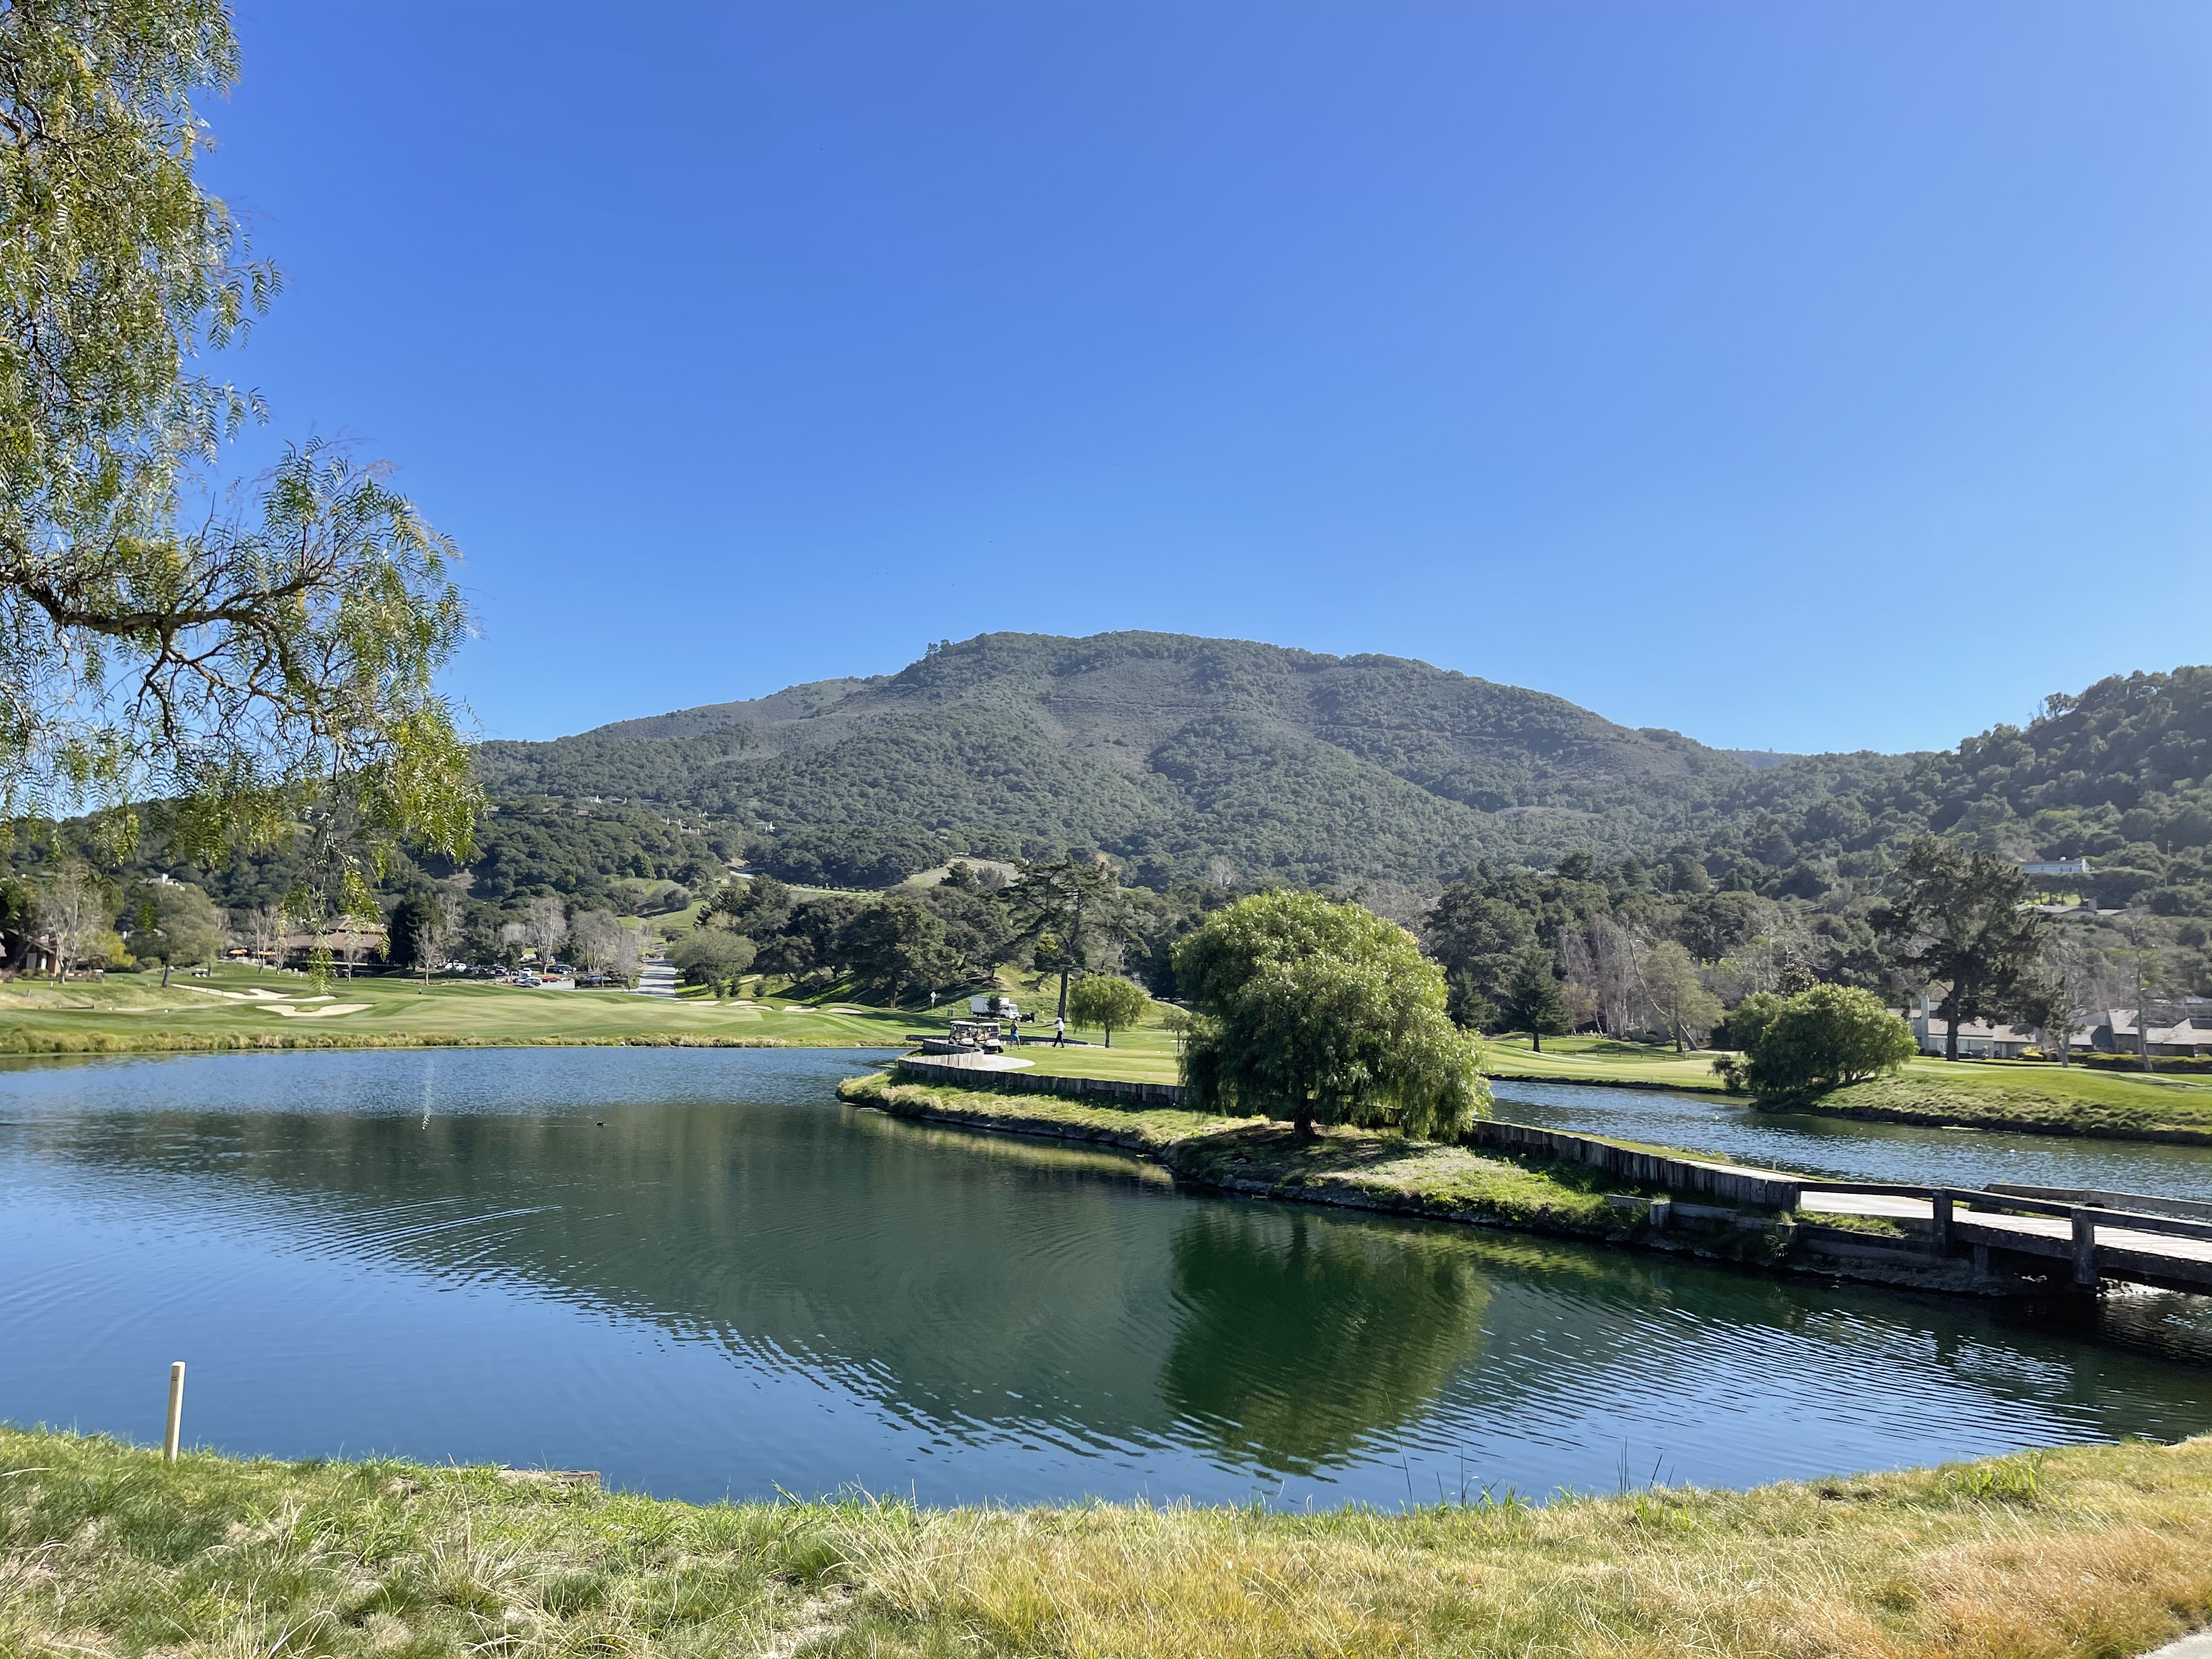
(244, 661)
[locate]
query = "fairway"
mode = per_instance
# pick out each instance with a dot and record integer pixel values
(1599, 1059)
(133, 1011)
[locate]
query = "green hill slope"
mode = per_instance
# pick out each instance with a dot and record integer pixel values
(1180, 754)
(1163, 748)
(2118, 774)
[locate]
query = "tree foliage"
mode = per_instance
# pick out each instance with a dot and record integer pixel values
(1064, 910)
(1108, 1002)
(712, 956)
(1323, 1012)
(1671, 982)
(1824, 1038)
(1962, 919)
(899, 947)
(173, 922)
(252, 658)
(1532, 1001)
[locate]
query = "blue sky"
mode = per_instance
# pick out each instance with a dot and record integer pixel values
(1797, 377)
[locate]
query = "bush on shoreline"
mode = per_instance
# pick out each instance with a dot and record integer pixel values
(1828, 1037)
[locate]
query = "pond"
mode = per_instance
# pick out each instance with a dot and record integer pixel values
(695, 1272)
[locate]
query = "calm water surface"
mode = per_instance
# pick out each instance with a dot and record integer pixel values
(695, 1270)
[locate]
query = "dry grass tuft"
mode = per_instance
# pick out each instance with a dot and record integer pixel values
(2085, 1553)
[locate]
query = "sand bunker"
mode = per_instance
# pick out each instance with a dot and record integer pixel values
(318, 1014)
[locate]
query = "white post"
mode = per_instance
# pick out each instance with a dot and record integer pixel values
(176, 1411)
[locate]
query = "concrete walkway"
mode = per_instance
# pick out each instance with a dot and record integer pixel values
(656, 979)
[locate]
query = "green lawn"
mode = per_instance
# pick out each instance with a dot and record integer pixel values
(130, 1011)
(1599, 1059)
(1147, 1055)
(2044, 1099)
(2084, 1552)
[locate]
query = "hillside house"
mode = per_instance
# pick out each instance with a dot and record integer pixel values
(2188, 1034)
(1977, 1041)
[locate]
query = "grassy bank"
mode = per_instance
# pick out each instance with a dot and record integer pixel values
(2041, 1100)
(1147, 1054)
(2084, 1553)
(1257, 1157)
(2037, 1099)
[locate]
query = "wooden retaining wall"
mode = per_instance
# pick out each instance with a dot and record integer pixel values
(1724, 1182)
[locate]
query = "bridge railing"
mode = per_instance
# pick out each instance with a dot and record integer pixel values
(2084, 1219)
(2018, 1204)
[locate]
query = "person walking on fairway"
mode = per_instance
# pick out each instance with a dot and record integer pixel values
(1058, 1032)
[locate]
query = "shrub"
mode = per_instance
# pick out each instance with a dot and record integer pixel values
(1823, 1038)
(712, 956)
(2184, 1063)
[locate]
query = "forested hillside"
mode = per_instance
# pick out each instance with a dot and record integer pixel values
(2118, 774)
(1173, 753)
(1186, 757)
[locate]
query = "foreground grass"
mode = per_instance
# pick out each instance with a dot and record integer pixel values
(2085, 1553)
(131, 1012)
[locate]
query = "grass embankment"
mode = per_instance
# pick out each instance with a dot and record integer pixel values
(1256, 1156)
(2084, 1553)
(241, 1008)
(2005, 1095)
(2037, 1100)
(1147, 1054)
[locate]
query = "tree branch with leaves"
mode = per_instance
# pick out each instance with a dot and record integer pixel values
(270, 656)
(1963, 919)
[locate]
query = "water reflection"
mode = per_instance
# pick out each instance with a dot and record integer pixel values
(692, 1269)
(1302, 1340)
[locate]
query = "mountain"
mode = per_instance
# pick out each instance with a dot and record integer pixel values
(1186, 757)
(1168, 751)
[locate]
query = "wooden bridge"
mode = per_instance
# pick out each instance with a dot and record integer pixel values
(2082, 1237)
